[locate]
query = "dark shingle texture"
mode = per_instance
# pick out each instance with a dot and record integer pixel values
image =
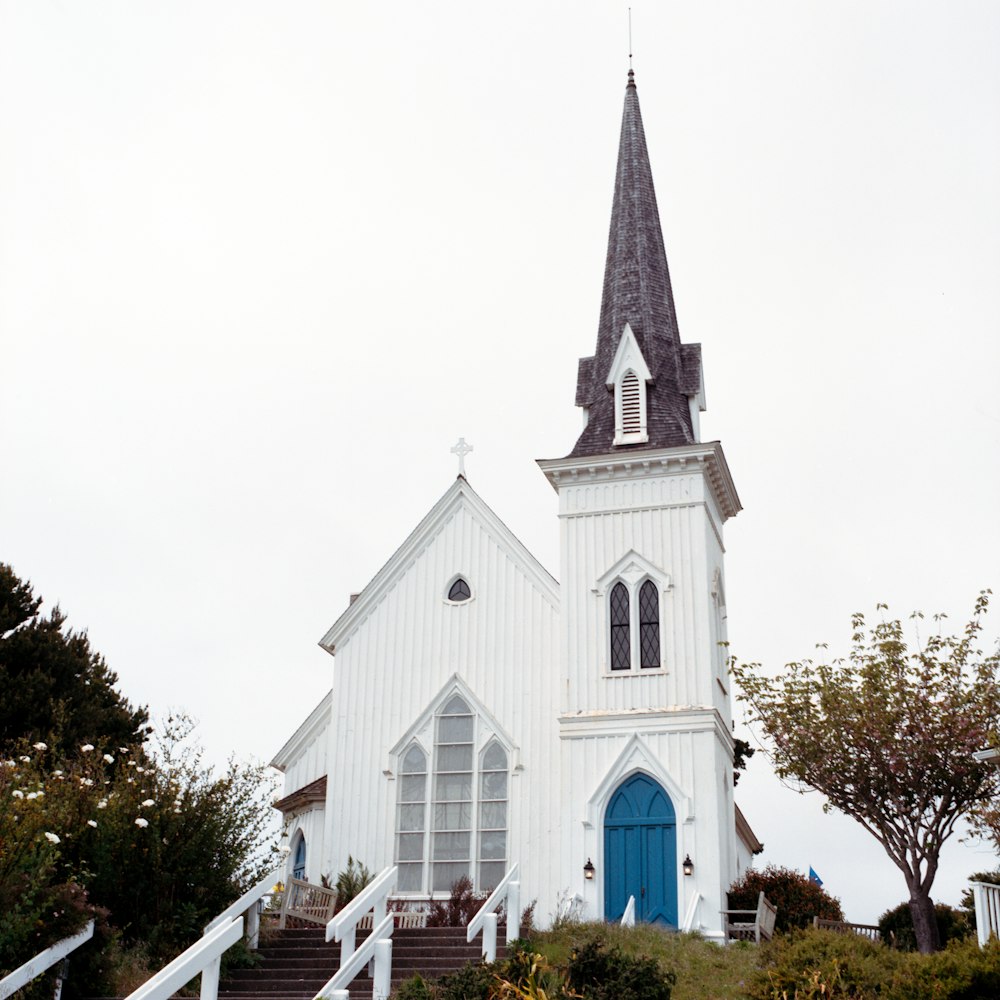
(637, 291)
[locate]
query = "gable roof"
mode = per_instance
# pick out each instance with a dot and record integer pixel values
(637, 291)
(459, 495)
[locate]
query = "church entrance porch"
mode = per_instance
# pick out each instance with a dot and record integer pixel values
(640, 852)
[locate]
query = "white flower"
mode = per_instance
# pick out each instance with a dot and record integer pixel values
(40, 746)
(51, 838)
(57, 774)
(32, 795)
(140, 822)
(17, 793)
(87, 747)
(177, 811)
(148, 802)
(86, 781)
(25, 760)
(123, 749)
(103, 804)
(108, 759)
(92, 822)
(285, 850)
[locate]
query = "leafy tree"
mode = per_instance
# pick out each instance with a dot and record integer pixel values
(797, 898)
(56, 689)
(887, 735)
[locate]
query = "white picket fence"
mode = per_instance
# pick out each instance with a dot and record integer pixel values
(987, 900)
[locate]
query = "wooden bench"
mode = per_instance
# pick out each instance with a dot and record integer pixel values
(869, 931)
(751, 925)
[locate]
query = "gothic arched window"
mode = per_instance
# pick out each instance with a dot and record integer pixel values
(621, 638)
(649, 625)
(464, 832)
(411, 820)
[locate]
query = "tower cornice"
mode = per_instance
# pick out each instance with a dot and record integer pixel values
(707, 456)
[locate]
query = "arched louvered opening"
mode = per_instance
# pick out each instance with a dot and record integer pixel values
(631, 407)
(459, 591)
(649, 625)
(621, 653)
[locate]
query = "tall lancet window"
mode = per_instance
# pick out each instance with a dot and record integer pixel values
(411, 820)
(649, 625)
(621, 639)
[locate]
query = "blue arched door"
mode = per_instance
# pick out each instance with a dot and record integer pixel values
(299, 864)
(640, 852)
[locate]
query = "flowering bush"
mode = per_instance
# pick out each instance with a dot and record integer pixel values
(154, 837)
(797, 898)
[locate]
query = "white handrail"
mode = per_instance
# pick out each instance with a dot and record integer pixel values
(688, 924)
(23, 974)
(248, 899)
(986, 897)
(628, 917)
(189, 963)
(356, 962)
(485, 920)
(373, 897)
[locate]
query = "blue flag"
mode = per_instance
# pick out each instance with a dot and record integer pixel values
(813, 877)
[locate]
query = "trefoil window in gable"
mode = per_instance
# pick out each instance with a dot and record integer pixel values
(459, 591)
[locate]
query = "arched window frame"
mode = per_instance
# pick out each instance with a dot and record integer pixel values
(632, 573)
(482, 839)
(719, 630)
(299, 855)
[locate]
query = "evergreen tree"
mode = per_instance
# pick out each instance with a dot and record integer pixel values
(56, 688)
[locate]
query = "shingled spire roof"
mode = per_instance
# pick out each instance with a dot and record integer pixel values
(637, 291)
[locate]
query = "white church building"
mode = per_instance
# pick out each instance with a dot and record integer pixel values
(483, 713)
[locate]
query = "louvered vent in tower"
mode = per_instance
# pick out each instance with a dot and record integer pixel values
(631, 418)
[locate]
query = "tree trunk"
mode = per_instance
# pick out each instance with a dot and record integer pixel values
(924, 922)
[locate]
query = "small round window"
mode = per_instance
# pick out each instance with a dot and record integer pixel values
(459, 591)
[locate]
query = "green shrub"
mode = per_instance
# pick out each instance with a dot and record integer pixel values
(807, 963)
(896, 926)
(350, 882)
(962, 971)
(797, 898)
(600, 973)
(414, 988)
(460, 907)
(474, 981)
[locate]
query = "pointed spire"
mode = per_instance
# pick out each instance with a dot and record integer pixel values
(637, 292)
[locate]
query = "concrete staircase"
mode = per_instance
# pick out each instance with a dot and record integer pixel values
(297, 963)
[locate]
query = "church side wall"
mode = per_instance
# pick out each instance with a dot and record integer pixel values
(503, 644)
(310, 765)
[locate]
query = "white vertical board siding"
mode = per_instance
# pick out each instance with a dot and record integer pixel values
(309, 766)
(503, 644)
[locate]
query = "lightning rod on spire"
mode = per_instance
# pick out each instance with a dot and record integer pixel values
(630, 38)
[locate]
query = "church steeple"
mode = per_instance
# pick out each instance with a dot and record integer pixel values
(637, 339)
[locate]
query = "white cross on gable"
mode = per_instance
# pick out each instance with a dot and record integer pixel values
(461, 449)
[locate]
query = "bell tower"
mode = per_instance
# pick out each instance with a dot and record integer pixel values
(642, 505)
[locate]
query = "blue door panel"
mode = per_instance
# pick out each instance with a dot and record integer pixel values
(640, 852)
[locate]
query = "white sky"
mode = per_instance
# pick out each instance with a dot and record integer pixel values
(261, 264)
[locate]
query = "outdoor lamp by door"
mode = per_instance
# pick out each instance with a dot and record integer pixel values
(688, 865)
(588, 870)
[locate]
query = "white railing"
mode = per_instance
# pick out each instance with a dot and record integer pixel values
(23, 974)
(485, 920)
(203, 956)
(247, 903)
(986, 897)
(343, 928)
(628, 917)
(377, 948)
(692, 909)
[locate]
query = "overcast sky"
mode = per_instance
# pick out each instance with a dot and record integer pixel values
(261, 264)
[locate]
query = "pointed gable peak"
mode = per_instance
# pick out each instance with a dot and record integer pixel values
(637, 295)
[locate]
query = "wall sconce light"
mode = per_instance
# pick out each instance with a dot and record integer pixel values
(688, 865)
(588, 870)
